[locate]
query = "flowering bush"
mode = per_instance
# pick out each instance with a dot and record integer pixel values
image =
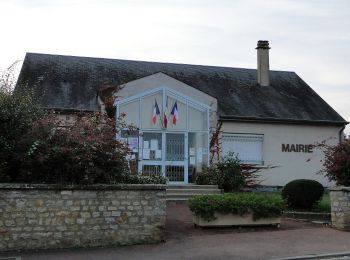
(337, 163)
(85, 152)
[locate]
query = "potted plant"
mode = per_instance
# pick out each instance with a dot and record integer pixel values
(236, 209)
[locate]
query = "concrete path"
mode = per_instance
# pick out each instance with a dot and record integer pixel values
(185, 242)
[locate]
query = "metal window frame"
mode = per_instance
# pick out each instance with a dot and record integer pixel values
(189, 102)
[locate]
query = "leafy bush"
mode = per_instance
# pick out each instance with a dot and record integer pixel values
(302, 193)
(229, 174)
(261, 205)
(18, 112)
(85, 152)
(337, 163)
(17, 115)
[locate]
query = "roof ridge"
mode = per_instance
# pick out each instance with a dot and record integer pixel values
(153, 62)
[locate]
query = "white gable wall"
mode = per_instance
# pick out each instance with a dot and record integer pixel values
(290, 165)
(158, 80)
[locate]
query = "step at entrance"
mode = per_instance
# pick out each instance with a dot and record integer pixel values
(184, 192)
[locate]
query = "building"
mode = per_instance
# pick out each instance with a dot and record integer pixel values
(187, 115)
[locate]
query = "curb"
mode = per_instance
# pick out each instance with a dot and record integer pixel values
(309, 216)
(343, 256)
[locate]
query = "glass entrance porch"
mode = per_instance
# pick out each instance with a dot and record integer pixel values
(173, 134)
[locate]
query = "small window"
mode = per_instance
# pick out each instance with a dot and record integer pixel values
(248, 147)
(197, 119)
(131, 112)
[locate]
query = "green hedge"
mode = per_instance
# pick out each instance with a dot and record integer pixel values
(261, 205)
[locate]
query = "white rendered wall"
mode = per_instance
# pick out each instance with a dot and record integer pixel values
(291, 165)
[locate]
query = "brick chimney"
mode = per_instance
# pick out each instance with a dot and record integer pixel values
(263, 63)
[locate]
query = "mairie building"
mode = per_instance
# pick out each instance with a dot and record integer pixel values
(187, 116)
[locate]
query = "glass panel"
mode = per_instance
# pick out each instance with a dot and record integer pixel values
(152, 146)
(197, 154)
(131, 111)
(131, 137)
(175, 173)
(176, 120)
(149, 170)
(197, 119)
(148, 105)
(175, 147)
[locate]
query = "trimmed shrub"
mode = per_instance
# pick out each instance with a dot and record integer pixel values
(261, 205)
(140, 179)
(302, 193)
(229, 175)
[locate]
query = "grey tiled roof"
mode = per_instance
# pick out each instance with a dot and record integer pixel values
(69, 82)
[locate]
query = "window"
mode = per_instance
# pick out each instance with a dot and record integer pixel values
(197, 119)
(172, 137)
(147, 110)
(131, 118)
(248, 147)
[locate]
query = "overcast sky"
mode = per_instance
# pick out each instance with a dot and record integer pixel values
(310, 37)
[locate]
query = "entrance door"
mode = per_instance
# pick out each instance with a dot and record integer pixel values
(175, 164)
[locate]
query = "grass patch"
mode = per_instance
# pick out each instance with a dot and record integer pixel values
(324, 206)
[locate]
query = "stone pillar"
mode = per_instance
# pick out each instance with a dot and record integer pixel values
(340, 207)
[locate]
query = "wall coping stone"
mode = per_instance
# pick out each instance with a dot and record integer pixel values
(27, 186)
(340, 188)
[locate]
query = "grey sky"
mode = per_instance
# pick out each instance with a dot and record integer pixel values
(310, 37)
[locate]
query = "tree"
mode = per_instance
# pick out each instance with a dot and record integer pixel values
(18, 112)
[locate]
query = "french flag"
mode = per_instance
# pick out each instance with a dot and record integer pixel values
(175, 113)
(165, 118)
(156, 112)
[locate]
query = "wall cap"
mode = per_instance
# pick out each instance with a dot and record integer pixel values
(340, 188)
(27, 186)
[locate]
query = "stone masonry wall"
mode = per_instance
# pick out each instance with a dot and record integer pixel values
(42, 216)
(340, 207)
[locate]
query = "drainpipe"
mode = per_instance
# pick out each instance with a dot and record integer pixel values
(341, 134)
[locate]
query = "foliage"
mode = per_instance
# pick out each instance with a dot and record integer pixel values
(302, 193)
(261, 205)
(324, 205)
(84, 152)
(140, 179)
(229, 174)
(18, 112)
(337, 163)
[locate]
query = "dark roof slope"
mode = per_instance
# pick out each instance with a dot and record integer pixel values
(68, 82)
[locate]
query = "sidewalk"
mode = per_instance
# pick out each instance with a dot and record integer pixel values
(185, 242)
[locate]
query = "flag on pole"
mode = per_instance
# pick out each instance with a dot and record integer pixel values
(175, 113)
(165, 118)
(156, 112)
